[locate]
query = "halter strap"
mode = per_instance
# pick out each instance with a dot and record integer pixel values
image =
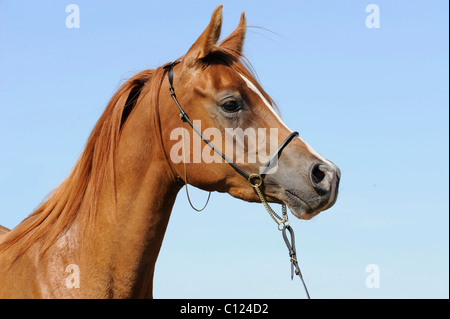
(273, 161)
(255, 180)
(185, 118)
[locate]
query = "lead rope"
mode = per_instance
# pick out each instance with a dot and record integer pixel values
(256, 181)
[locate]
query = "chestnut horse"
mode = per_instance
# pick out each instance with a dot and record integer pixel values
(99, 233)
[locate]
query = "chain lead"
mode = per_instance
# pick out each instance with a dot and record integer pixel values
(256, 181)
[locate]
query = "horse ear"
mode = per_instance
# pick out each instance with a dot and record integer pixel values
(207, 41)
(235, 40)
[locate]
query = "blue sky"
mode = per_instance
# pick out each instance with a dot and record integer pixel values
(374, 101)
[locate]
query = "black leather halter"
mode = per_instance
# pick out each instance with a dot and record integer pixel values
(255, 180)
(184, 117)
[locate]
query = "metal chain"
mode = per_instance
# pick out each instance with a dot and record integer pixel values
(283, 224)
(281, 221)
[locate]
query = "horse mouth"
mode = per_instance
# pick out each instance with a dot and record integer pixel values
(299, 207)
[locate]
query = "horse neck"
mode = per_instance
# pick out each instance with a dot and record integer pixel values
(128, 231)
(127, 244)
(116, 248)
(115, 245)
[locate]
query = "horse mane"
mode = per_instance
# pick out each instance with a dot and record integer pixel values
(84, 183)
(97, 161)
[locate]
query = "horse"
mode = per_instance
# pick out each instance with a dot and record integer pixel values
(99, 233)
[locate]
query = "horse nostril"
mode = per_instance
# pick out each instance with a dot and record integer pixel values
(317, 174)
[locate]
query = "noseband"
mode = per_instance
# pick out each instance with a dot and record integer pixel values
(255, 180)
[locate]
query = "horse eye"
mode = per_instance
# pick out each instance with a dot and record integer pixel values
(230, 106)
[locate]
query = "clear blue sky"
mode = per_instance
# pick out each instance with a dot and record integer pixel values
(374, 101)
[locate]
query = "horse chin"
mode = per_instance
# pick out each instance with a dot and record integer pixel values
(296, 205)
(301, 213)
(299, 207)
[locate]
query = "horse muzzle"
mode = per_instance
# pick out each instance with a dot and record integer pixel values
(307, 202)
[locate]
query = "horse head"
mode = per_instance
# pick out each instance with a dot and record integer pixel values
(229, 107)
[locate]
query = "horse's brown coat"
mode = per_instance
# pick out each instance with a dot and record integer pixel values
(109, 216)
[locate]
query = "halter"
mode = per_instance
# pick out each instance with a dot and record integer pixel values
(255, 180)
(185, 118)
